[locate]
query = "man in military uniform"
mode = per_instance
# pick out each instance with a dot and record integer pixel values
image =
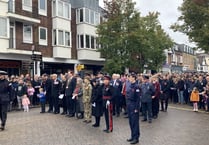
(5, 98)
(133, 108)
(107, 104)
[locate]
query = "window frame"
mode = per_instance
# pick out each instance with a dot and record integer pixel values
(42, 11)
(43, 41)
(56, 38)
(56, 12)
(26, 7)
(27, 40)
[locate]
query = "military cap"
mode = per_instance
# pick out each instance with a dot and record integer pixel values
(3, 72)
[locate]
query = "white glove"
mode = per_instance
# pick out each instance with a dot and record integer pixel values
(94, 104)
(107, 103)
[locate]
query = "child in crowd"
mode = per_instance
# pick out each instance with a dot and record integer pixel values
(42, 98)
(195, 98)
(30, 92)
(25, 103)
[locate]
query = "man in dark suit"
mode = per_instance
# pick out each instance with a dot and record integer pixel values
(5, 98)
(56, 89)
(70, 87)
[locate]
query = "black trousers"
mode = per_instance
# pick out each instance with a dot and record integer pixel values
(64, 104)
(3, 113)
(71, 106)
(56, 104)
(97, 120)
(147, 108)
(155, 106)
(108, 117)
(133, 121)
(164, 104)
(116, 105)
(50, 100)
(43, 106)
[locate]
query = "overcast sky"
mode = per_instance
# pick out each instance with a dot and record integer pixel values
(168, 15)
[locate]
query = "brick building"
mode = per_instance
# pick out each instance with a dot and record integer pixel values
(62, 31)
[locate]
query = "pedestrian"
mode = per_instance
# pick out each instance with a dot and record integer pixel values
(107, 104)
(5, 98)
(195, 98)
(30, 92)
(42, 99)
(87, 93)
(96, 100)
(25, 103)
(133, 107)
(21, 91)
(147, 94)
(164, 96)
(155, 99)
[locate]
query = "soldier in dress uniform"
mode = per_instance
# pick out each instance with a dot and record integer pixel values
(107, 104)
(133, 108)
(5, 98)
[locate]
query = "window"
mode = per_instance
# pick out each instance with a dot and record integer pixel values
(60, 9)
(42, 36)
(97, 19)
(81, 15)
(67, 11)
(27, 34)
(67, 38)
(3, 30)
(92, 17)
(81, 41)
(87, 15)
(87, 41)
(43, 7)
(92, 42)
(27, 5)
(60, 37)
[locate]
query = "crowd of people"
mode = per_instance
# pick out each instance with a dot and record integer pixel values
(95, 95)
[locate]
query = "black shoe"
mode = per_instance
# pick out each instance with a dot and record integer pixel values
(88, 121)
(155, 117)
(144, 120)
(50, 111)
(2, 128)
(71, 115)
(95, 125)
(107, 131)
(56, 112)
(150, 121)
(135, 141)
(162, 110)
(129, 140)
(42, 112)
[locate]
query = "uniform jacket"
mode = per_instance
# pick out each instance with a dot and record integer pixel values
(107, 91)
(56, 88)
(148, 91)
(87, 93)
(5, 92)
(133, 96)
(96, 99)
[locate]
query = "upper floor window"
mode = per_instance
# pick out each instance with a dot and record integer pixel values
(61, 38)
(87, 41)
(27, 33)
(61, 9)
(42, 36)
(27, 5)
(4, 27)
(88, 16)
(42, 7)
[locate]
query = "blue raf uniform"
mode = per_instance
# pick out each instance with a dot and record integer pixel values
(133, 107)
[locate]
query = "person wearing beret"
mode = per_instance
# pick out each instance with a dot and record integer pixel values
(5, 98)
(107, 104)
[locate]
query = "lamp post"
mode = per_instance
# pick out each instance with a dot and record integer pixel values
(33, 49)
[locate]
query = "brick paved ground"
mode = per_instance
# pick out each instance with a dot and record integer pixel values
(176, 127)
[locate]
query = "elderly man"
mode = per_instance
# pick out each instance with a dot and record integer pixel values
(5, 98)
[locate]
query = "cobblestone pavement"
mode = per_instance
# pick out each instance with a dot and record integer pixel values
(175, 127)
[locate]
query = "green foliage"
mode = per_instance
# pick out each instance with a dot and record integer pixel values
(129, 40)
(194, 22)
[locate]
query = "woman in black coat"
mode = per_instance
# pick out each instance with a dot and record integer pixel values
(96, 100)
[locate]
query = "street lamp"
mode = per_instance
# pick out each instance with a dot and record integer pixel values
(33, 49)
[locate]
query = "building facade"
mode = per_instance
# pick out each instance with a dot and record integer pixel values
(63, 32)
(180, 58)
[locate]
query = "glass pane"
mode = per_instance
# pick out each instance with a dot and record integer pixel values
(67, 38)
(60, 9)
(92, 42)
(81, 41)
(67, 12)
(55, 37)
(87, 41)
(27, 33)
(42, 4)
(97, 21)
(87, 15)
(3, 24)
(43, 34)
(60, 37)
(92, 17)
(27, 2)
(81, 15)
